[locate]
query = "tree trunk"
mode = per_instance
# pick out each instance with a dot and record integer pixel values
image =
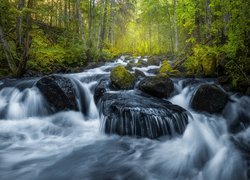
(93, 31)
(175, 27)
(60, 13)
(19, 23)
(27, 42)
(51, 13)
(90, 22)
(80, 20)
(104, 24)
(208, 18)
(111, 33)
(197, 30)
(150, 38)
(65, 15)
(6, 50)
(170, 30)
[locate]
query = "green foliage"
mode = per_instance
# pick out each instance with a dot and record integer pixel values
(165, 67)
(237, 70)
(121, 78)
(208, 34)
(203, 61)
(105, 55)
(45, 55)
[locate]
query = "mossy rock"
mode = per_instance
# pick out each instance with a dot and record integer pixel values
(130, 66)
(121, 78)
(175, 73)
(167, 69)
(141, 63)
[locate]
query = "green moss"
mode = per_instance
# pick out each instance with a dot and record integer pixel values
(121, 78)
(165, 68)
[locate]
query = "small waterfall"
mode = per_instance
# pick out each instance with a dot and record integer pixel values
(16, 104)
(204, 152)
(85, 99)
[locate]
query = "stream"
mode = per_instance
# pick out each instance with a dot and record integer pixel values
(38, 145)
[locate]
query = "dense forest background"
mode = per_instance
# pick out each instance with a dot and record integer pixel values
(206, 37)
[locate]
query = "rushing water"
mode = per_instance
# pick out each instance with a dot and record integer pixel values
(69, 145)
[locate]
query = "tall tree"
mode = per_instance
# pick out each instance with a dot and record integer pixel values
(175, 26)
(80, 20)
(27, 41)
(104, 25)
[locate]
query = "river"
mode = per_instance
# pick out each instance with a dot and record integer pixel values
(37, 145)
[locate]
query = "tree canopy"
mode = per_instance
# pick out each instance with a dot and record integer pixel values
(202, 35)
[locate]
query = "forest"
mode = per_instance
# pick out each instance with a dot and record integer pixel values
(125, 89)
(207, 38)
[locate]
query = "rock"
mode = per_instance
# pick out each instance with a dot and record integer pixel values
(93, 65)
(130, 66)
(59, 92)
(103, 86)
(191, 82)
(158, 86)
(224, 80)
(127, 114)
(156, 61)
(248, 91)
(121, 78)
(243, 87)
(153, 71)
(209, 98)
(139, 74)
(141, 63)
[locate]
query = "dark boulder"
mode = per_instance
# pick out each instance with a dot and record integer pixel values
(139, 74)
(243, 87)
(130, 66)
(59, 92)
(158, 86)
(153, 71)
(135, 115)
(209, 98)
(103, 86)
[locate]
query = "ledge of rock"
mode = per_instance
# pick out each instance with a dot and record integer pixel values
(128, 114)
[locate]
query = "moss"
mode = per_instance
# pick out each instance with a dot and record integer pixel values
(121, 78)
(165, 68)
